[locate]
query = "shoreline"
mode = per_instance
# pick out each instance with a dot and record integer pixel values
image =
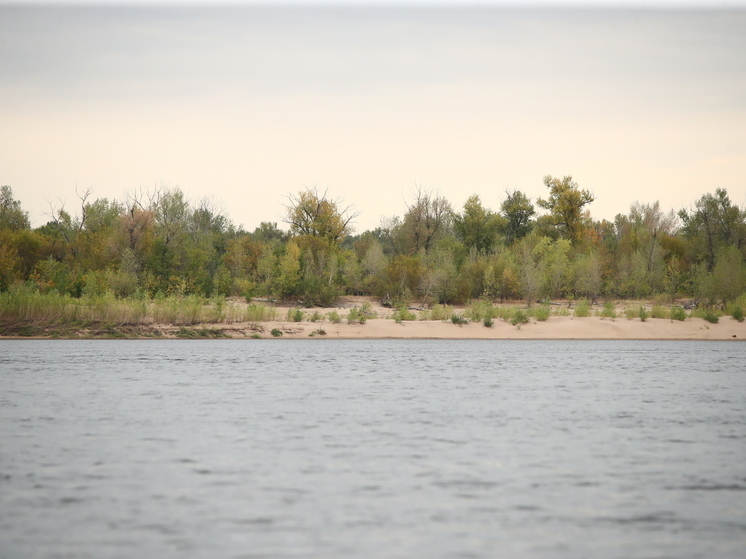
(554, 328)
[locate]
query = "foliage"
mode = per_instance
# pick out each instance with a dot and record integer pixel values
(542, 312)
(459, 319)
(609, 310)
(403, 313)
(678, 313)
(737, 313)
(477, 226)
(565, 205)
(311, 213)
(276, 333)
(334, 317)
(518, 211)
(643, 314)
(583, 309)
(295, 314)
(360, 314)
(659, 312)
(519, 317)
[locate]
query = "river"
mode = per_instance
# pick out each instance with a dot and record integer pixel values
(380, 449)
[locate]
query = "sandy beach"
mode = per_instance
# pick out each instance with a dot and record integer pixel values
(555, 328)
(562, 325)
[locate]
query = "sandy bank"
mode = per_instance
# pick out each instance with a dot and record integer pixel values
(555, 328)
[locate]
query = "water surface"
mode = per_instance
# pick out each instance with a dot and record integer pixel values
(347, 448)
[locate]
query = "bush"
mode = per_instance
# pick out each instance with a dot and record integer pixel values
(609, 310)
(459, 319)
(316, 316)
(360, 314)
(519, 317)
(737, 313)
(488, 322)
(438, 312)
(583, 309)
(643, 314)
(710, 316)
(631, 312)
(678, 313)
(334, 317)
(276, 333)
(403, 314)
(479, 309)
(296, 314)
(659, 312)
(543, 312)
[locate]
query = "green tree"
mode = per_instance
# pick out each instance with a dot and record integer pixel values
(565, 205)
(11, 215)
(477, 226)
(518, 211)
(713, 223)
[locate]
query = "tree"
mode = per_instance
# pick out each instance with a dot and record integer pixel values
(565, 204)
(477, 226)
(428, 218)
(312, 213)
(713, 224)
(11, 215)
(518, 210)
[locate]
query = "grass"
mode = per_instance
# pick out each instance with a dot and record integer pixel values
(28, 306)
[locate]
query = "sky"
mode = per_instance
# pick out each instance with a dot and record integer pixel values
(247, 103)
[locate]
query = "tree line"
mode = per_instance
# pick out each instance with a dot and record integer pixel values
(159, 242)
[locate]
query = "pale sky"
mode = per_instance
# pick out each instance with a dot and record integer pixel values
(248, 103)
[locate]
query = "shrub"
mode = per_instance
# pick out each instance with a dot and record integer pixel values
(582, 309)
(438, 312)
(334, 317)
(316, 316)
(678, 313)
(296, 314)
(259, 313)
(543, 312)
(459, 319)
(402, 314)
(360, 314)
(276, 333)
(631, 312)
(479, 309)
(519, 317)
(643, 314)
(488, 322)
(609, 310)
(710, 316)
(659, 312)
(737, 313)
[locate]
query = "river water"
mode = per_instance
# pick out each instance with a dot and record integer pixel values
(381, 449)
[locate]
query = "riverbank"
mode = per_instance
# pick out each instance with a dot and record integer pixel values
(554, 328)
(365, 318)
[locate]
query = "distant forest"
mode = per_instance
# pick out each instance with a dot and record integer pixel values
(159, 243)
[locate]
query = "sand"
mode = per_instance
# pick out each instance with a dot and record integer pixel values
(384, 327)
(555, 328)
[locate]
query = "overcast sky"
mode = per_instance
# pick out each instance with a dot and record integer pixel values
(248, 103)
